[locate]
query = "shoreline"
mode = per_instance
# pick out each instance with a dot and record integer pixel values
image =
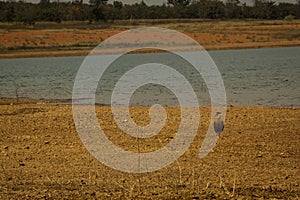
(68, 102)
(64, 53)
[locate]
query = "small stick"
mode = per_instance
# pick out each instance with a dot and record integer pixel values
(16, 89)
(193, 178)
(207, 185)
(234, 181)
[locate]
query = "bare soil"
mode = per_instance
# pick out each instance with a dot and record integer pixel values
(42, 156)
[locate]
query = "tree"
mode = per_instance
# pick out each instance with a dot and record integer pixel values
(213, 9)
(77, 2)
(297, 9)
(118, 4)
(264, 9)
(179, 2)
(44, 3)
(98, 2)
(98, 9)
(232, 9)
(10, 13)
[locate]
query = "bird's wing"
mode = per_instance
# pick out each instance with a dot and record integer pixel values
(218, 126)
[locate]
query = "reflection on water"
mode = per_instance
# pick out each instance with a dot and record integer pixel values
(259, 77)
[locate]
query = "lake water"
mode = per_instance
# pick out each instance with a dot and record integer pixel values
(252, 77)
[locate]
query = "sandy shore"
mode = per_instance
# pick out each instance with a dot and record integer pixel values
(58, 53)
(79, 38)
(257, 156)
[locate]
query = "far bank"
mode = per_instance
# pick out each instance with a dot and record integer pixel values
(79, 38)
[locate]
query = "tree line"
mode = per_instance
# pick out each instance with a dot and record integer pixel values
(100, 10)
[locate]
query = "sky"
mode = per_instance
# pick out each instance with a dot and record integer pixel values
(159, 2)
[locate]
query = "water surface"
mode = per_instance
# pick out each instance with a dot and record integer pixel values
(252, 77)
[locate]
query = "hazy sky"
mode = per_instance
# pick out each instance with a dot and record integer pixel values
(151, 2)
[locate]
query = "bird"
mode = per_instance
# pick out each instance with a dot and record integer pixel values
(218, 123)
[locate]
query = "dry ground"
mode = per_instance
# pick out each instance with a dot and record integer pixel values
(42, 157)
(78, 38)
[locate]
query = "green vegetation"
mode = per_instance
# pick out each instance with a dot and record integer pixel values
(99, 10)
